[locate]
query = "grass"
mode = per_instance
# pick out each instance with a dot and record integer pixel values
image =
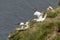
(39, 33)
(57, 37)
(51, 14)
(59, 2)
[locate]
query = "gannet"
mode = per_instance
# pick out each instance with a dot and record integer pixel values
(23, 26)
(27, 26)
(37, 13)
(51, 9)
(41, 18)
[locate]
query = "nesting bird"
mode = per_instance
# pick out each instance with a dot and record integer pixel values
(40, 16)
(50, 9)
(37, 13)
(23, 26)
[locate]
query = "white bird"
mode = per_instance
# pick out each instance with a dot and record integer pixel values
(23, 26)
(22, 23)
(27, 26)
(50, 8)
(37, 13)
(41, 18)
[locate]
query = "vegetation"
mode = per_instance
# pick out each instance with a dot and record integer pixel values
(51, 14)
(59, 2)
(57, 37)
(40, 30)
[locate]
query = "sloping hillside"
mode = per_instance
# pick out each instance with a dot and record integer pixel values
(47, 30)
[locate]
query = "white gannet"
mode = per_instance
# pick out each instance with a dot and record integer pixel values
(51, 9)
(23, 26)
(27, 26)
(37, 13)
(41, 18)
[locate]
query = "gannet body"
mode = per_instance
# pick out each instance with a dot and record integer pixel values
(41, 18)
(21, 26)
(37, 13)
(27, 26)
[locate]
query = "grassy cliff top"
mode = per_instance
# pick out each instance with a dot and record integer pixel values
(41, 30)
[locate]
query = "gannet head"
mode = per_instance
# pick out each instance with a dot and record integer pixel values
(49, 8)
(22, 23)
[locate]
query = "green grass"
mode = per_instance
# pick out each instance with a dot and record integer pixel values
(57, 37)
(39, 33)
(51, 14)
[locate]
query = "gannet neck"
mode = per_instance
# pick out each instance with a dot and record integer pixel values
(45, 16)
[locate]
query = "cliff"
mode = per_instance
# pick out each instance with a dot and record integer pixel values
(47, 30)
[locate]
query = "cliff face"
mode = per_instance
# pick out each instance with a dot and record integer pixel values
(46, 30)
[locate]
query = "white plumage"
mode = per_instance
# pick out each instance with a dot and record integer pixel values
(22, 23)
(40, 16)
(37, 13)
(49, 8)
(23, 26)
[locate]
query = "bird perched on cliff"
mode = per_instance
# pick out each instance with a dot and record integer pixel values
(23, 26)
(40, 16)
(50, 9)
(27, 26)
(37, 13)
